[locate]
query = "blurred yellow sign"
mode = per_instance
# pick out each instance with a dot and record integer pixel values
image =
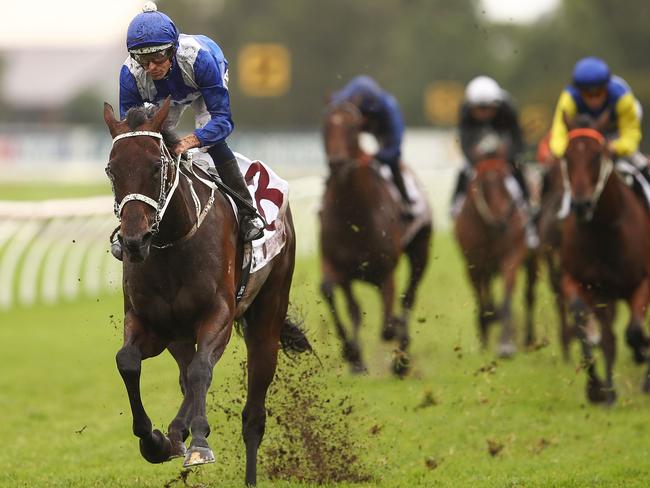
(535, 120)
(264, 70)
(442, 101)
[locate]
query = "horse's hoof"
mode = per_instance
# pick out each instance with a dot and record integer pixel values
(401, 364)
(197, 456)
(596, 392)
(358, 368)
(178, 450)
(388, 333)
(157, 449)
(506, 350)
(636, 339)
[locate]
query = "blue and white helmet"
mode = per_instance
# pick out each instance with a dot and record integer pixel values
(591, 72)
(150, 31)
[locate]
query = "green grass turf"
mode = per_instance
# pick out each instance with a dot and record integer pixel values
(66, 420)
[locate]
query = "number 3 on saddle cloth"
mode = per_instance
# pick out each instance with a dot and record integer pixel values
(269, 192)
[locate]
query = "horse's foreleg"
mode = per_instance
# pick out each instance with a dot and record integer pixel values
(212, 337)
(486, 312)
(418, 255)
(531, 280)
(605, 313)
(394, 328)
(354, 349)
(179, 428)
(140, 344)
(509, 269)
(580, 311)
(634, 334)
(349, 354)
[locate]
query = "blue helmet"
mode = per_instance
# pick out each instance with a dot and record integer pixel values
(151, 29)
(590, 72)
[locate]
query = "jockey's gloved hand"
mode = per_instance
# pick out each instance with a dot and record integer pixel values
(188, 142)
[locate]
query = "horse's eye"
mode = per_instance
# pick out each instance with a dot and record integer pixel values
(155, 169)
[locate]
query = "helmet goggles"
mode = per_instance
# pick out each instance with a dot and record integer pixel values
(152, 54)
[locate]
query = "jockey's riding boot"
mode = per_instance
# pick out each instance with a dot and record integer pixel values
(251, 226)
(458, 198)
(398, 179)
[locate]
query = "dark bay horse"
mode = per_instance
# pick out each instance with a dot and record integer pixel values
(605, 255)
(179, 281)
(362, 236)
(490, 230)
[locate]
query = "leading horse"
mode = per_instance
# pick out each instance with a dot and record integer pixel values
(605, 254)
(180, 276)
(363, 235)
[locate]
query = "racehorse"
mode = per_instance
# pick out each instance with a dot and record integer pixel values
(180, 276)
(363, 235)
(605, 254)
(490, 229)
(553, 209)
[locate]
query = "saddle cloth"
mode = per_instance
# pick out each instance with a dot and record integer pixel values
(270, 193)
(420, 205)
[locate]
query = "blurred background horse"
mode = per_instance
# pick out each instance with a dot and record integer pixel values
(490, 230)
(363, 234)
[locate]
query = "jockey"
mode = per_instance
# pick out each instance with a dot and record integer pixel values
(383, 119)
(593, 93)
(194, 72)
(487, 107)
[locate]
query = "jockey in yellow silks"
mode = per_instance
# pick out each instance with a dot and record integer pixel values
(596, 93)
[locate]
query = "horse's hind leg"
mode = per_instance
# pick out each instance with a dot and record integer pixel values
(179, 428)
(634, 334)
(354, 348)
(212, 337)
(555, 277)
(265, 320)
(605, 315)
(138, 345)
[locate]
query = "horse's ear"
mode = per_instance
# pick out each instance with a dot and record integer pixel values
(160, 116)
(109, 118)
(568, 121)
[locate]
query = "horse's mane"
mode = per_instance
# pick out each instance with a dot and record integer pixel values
(136, 116)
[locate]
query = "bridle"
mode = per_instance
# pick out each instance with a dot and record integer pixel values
(482, 207)
(605, 170)
(168, 186)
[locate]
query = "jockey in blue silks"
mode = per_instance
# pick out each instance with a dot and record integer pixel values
(192, 70)
(383, 119)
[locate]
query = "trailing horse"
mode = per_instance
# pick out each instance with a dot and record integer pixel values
(363, 235)
(490, 230)
(605, 255)
(182, 266)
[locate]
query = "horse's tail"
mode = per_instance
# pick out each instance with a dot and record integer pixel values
(293, 338)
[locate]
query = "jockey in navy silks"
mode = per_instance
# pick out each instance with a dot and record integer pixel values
(192, 70)
(383, 119)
